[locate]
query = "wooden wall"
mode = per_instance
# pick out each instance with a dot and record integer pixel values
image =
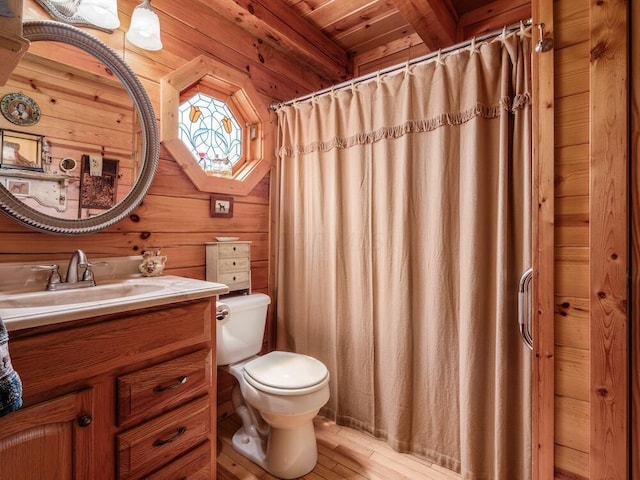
(571, 37)
(590, 240)
(635, 238)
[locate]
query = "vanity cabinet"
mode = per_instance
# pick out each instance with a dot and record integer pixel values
(130, 396)
(229, 263)
(52, 440)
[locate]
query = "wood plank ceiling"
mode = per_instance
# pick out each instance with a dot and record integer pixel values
(341, 39)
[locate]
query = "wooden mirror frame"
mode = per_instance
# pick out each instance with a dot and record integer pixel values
(232, 82)
(14, 207)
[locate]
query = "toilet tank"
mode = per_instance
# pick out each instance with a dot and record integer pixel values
(240, 334)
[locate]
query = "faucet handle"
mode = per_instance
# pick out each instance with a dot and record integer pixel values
(54, 276)
(88, 273)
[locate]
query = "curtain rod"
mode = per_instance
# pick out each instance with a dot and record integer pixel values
(423, 58)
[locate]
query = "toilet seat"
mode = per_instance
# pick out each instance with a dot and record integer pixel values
(286, 373)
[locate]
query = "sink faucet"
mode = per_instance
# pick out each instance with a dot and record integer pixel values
(79, 259)
(73, 280)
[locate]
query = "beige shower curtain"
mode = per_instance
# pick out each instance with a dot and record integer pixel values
(403, 229)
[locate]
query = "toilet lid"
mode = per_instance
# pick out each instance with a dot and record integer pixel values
(286, 371)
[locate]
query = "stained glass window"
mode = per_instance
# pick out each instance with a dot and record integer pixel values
(209, 129)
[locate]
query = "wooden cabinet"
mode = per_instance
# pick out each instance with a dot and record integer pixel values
(125, 396)
(230, 263)
(52, 440)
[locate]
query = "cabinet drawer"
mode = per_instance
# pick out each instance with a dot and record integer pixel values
(195, 465)
(234, 278)
(90, 350)
(233, 250)
(233, 264)
(155, 443)
(147, 392)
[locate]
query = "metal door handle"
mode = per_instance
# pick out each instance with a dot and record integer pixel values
(524, 308)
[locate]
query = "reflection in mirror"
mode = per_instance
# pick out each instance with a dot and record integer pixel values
(98, 14)
(100, 139)
(87, 117)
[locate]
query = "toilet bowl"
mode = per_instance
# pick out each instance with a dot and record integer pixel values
(278, 394)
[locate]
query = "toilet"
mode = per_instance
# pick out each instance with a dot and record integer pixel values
(278, 394)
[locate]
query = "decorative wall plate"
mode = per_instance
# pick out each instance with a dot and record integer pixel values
(20, 109)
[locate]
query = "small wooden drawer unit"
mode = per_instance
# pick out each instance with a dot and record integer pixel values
(229, 263)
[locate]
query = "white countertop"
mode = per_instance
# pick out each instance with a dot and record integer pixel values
(23, 306)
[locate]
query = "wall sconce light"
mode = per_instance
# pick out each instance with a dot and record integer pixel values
(102, 13)
(98, 14)
(144, 31)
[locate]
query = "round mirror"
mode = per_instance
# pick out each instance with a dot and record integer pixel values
(85, 180)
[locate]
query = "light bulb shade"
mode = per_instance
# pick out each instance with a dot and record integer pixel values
(144, 31)
(102, 13)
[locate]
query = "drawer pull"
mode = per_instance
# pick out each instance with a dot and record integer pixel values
(85, 420)
(179, 433)
(173, 386)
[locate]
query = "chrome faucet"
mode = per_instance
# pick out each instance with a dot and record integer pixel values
(73, 280)
(79, 259)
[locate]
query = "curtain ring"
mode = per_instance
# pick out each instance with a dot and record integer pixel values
(473, 48)
(407, 68)
(523, 30)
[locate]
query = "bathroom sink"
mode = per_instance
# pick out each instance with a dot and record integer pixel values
(25, 309)
(80, 295)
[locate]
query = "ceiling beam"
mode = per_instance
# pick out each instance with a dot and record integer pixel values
(275, 23)
(435, 21)
(492, 16)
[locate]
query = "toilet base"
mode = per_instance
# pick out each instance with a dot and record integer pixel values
(250, 446)
(288, 453)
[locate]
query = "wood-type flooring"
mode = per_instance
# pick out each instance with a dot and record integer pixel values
(343, 453)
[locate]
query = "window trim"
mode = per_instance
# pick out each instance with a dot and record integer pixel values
(245, 98)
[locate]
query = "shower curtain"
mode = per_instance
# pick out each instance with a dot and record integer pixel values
(403, 229)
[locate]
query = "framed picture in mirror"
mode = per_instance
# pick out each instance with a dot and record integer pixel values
(19, 187)
(21, 150)
(98, 182)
